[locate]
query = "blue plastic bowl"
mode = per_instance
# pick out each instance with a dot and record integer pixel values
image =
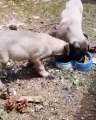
(75, 64)
(84, 66)
(63, 65)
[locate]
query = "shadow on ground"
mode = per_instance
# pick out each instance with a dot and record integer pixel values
(88, 103)
(23, 71)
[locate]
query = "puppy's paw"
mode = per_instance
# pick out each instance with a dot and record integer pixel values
(44, 73)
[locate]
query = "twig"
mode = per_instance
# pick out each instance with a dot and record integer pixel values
(35, 99)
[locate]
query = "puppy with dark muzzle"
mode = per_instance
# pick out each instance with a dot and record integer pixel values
(70, 27)
(31, 46)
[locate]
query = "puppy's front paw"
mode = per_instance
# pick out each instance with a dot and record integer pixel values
(44, 73)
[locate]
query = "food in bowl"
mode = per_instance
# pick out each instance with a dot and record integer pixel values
(86, 64)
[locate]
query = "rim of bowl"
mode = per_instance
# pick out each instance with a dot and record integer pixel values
(90, 59)
(76, 62)
(58, 62)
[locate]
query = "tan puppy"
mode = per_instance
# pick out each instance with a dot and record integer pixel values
(22, 45)
(70, 27)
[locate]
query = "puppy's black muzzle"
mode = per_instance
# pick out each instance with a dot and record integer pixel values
(76, 53)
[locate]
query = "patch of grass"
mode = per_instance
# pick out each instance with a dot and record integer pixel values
(17, 2)
(89, 23)
(54, 7)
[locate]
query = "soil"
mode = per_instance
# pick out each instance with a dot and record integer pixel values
(71, 95)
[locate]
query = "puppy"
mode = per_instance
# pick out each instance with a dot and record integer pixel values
(25, 45)
(70, 27)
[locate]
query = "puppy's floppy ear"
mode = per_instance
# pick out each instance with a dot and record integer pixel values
(85, 35)
(76, 45)
(67, 49)
(87, 44)
(53, 32)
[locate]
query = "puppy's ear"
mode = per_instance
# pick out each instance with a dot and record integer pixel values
(76, 45)
(67, 49)
(53, 32)
(88, 46)
(85, 35)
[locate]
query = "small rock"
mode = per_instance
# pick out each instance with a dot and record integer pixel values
(9, 63)
(12, 27)
(82, 118)
(2, 86)
(75, 77)
(76, 82)
(36, 17)
(46, 0)
(38, 108)
(14, 24)
(62, 80)
(14, 92)
(46, 103)
(5, 6)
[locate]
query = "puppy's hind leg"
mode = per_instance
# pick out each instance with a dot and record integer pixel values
(39, 66)
(4, 58)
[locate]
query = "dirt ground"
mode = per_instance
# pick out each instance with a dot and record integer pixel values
(71, 95)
